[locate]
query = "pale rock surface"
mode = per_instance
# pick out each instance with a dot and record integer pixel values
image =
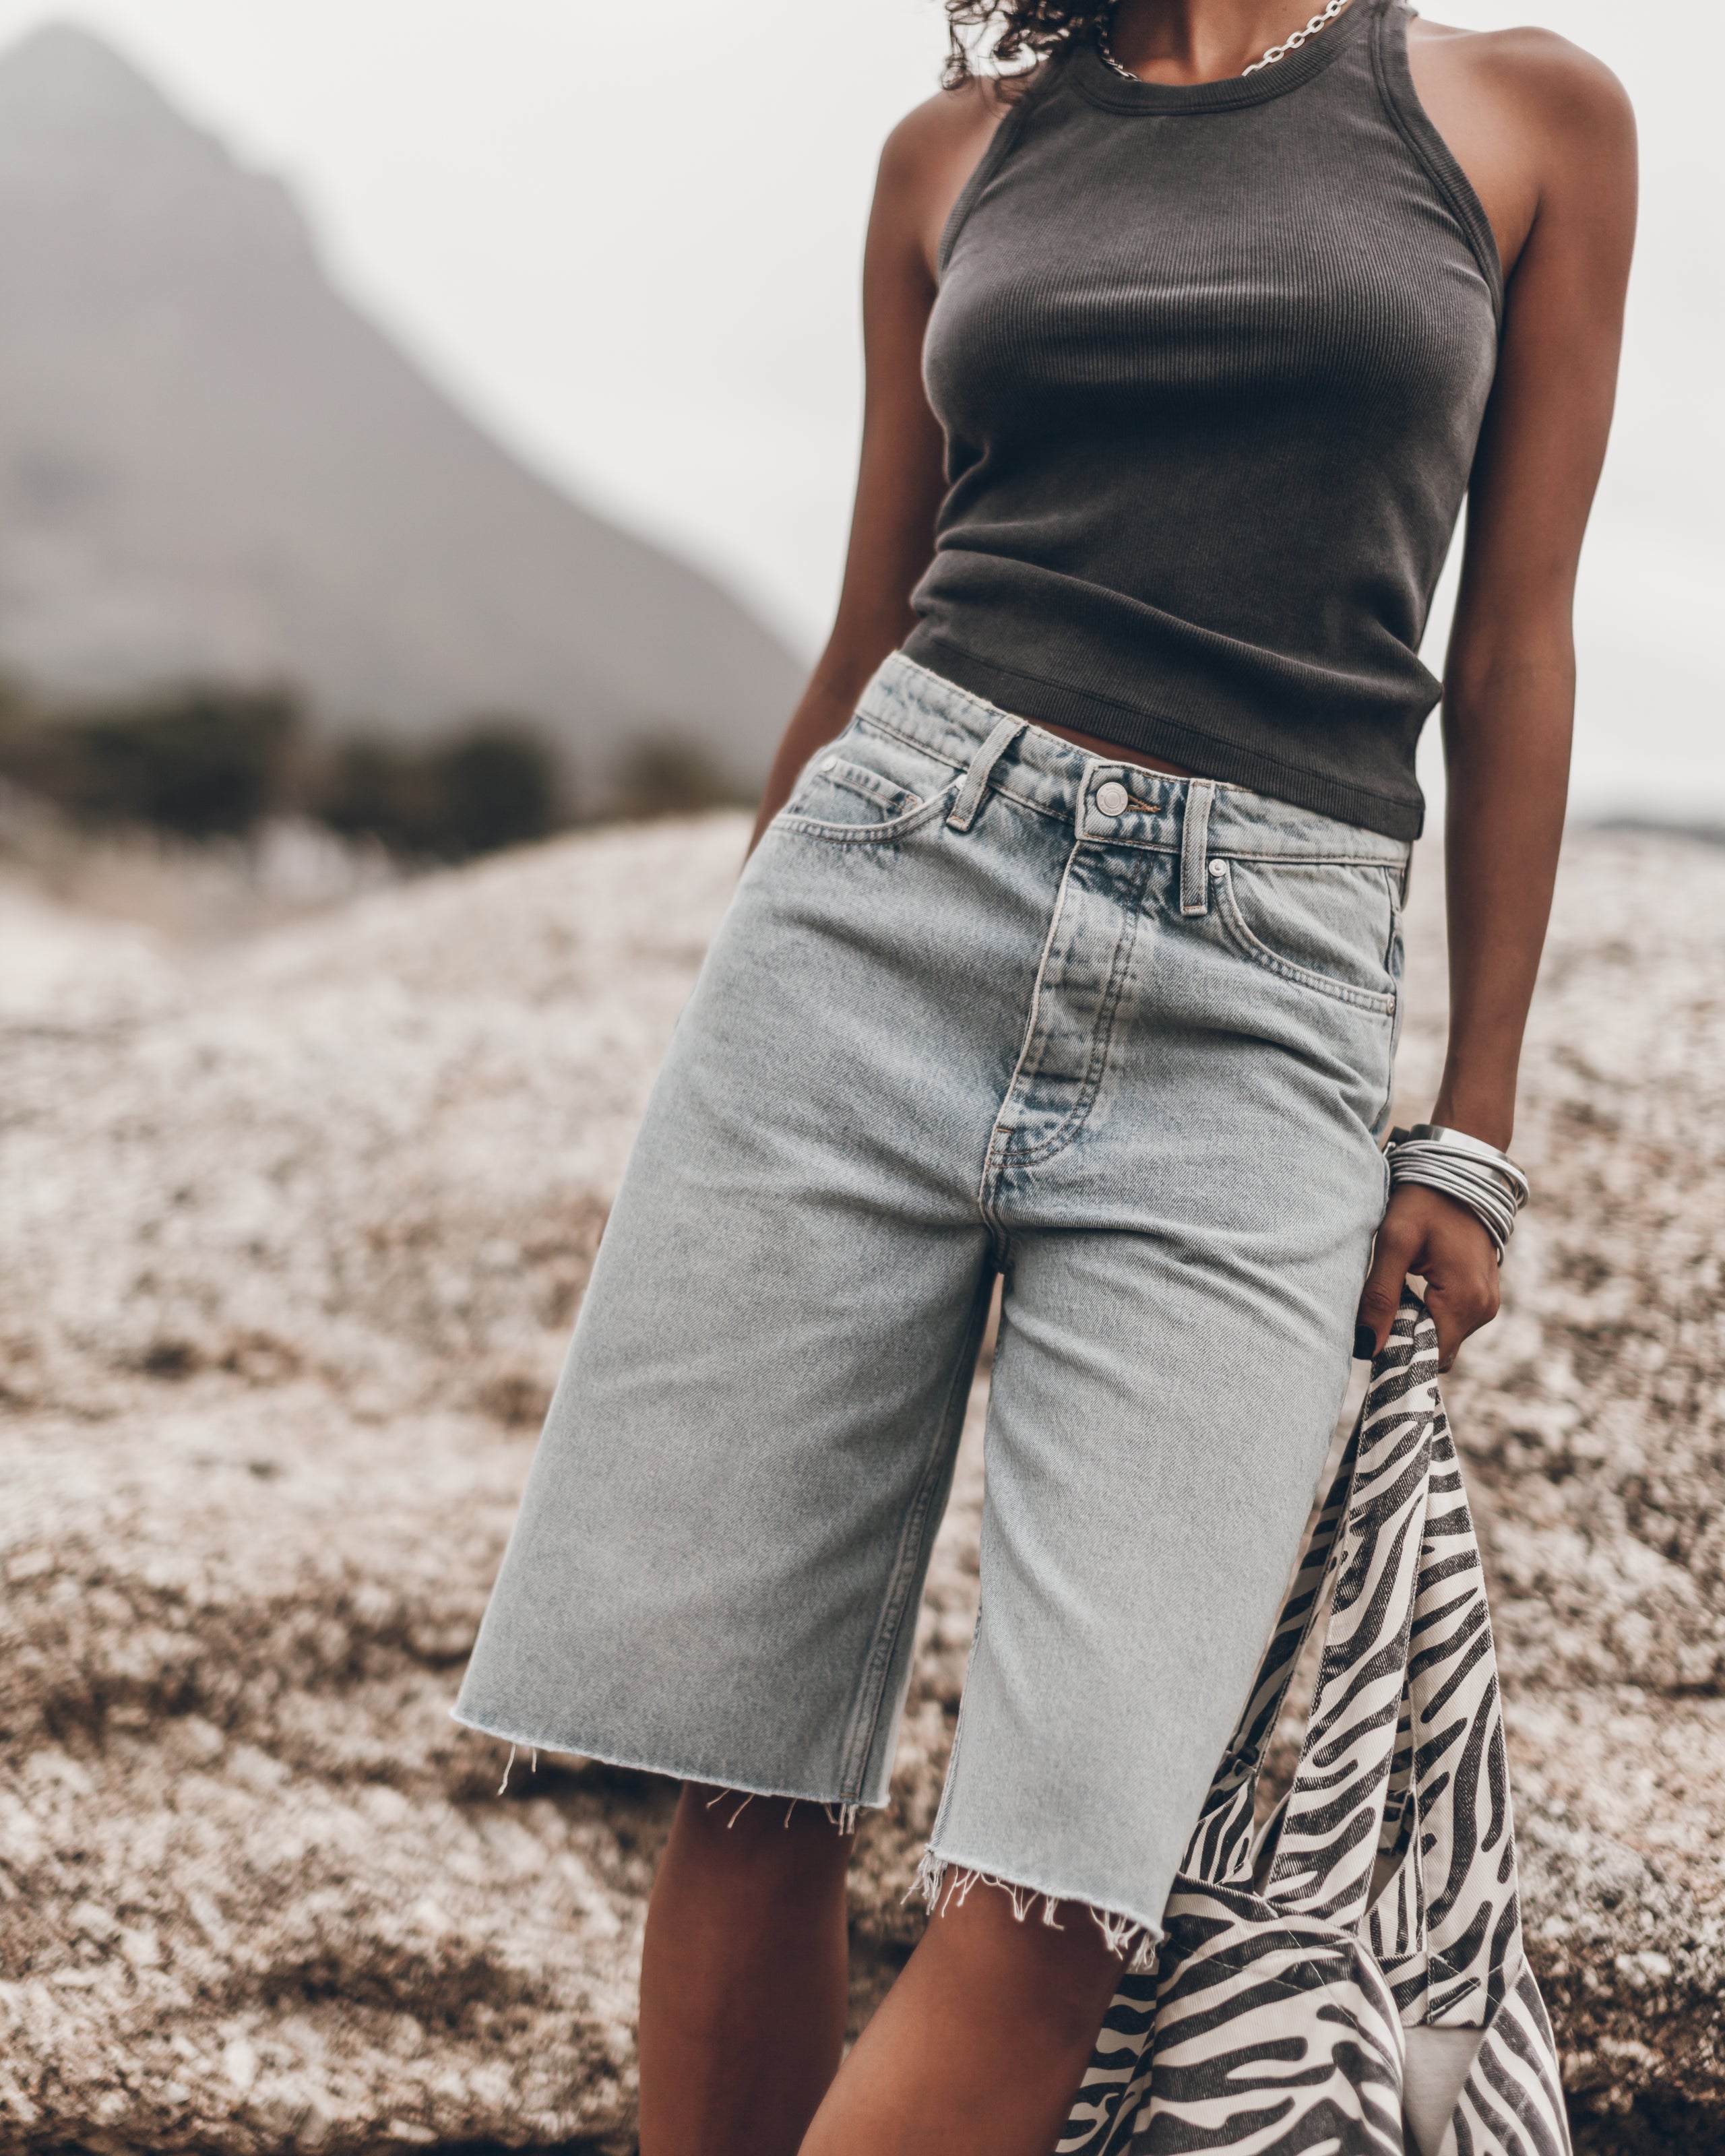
(292, 1237)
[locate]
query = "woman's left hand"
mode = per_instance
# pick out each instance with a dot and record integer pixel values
(1437, 1237)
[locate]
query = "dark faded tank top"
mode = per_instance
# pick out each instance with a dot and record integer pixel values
(1211, 363)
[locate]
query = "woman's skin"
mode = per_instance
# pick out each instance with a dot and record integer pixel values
(981, 2041)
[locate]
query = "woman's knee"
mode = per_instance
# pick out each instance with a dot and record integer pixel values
(1050, 1963)
(728, 1830)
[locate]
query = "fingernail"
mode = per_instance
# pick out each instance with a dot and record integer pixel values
(1365, 1343)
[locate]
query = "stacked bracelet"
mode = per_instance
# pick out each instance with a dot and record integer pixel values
(1477, 1175)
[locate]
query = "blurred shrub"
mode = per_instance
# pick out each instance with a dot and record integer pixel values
(212, 761)
(199, 761)
(495, 783)
(501, 784)
(666, 774)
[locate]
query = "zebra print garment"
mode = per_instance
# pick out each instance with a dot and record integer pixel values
(1316, 1976)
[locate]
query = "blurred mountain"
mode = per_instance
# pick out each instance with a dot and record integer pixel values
(213, 465)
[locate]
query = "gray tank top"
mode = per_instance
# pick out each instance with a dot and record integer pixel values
(1211, 363)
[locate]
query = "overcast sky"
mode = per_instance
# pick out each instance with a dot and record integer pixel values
(628, 236)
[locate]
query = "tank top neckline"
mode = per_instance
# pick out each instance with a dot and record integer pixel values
(1096, 80)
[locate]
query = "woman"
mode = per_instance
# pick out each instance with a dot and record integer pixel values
(1069, 952)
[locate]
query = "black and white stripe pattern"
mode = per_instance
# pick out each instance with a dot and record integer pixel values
(1295, 1976)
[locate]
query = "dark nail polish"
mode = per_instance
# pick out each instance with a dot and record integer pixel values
(1365, 1343)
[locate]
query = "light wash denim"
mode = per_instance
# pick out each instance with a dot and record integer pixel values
(982, 1001)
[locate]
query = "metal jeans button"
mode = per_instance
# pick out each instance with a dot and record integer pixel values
(1111, 799)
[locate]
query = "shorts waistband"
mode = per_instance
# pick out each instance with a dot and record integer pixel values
(1055, 776)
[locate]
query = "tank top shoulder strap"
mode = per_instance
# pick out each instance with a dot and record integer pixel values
(1025, 101)
(1387, 47)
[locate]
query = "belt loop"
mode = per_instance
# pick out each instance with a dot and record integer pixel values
(1194, 848)
(962, 814)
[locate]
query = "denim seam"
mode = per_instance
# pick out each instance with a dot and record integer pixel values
(992, 1160)
(1101, 1041)
(1392, 884)
(1379, 1124)
(857, 778)
(1294, 860)
(1234, 922)
(909, 741)
(1380, 1121)
(950, 1781)
(867, 834)
(859, 1737)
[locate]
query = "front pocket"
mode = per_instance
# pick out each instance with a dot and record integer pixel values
(886, 799)
(1324, 927)
(867, 830)
(869, 785)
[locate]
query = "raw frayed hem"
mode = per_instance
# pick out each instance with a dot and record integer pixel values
(845, 1813)
(509, 1767)
(844, 1817)
(943, 1885)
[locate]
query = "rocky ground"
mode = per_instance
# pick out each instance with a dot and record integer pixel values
(293, 1230)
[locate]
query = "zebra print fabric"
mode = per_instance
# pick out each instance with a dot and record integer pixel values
(1319, 1978)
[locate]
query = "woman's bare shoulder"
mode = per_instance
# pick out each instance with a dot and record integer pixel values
(1555, 82)
(930, 154)
(1539, 126)
(951, 124)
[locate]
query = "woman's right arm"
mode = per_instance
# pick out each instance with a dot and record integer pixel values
(927, 158)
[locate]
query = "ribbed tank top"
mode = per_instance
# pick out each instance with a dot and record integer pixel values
(1211, 363)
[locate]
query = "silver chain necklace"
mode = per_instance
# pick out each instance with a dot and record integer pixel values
(1275, 54)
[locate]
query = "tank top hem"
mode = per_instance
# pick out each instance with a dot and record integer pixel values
(1131, 728)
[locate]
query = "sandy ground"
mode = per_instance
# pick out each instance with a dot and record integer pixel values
(294, 1228)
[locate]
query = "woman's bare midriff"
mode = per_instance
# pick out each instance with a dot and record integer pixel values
(1116, 753)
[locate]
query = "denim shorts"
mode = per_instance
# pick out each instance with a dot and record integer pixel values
(983, 1002)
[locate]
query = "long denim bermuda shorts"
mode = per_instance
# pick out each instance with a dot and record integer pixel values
(983, 1002)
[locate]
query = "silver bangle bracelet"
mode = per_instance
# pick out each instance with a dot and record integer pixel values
(1465, 1168)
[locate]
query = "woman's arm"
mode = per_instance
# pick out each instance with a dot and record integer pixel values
(1509, 690)
(928, 159)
